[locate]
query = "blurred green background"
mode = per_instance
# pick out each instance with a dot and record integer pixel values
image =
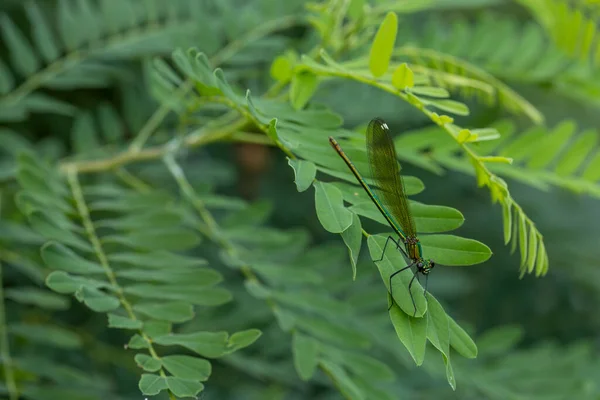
(537, 337)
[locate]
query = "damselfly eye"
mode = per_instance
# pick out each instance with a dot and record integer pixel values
(420, 265)
(431, 264)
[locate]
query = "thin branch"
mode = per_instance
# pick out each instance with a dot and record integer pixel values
(90, 230)
(152, 153)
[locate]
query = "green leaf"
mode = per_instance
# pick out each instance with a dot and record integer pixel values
(356, 9)
(362, 365)
(306, 355)
(142, 220)
(438, 327)
(277, 274)
(156, 259)
(550, 145)
(334, 331)
(261, 118)
(187, 367)
(449, 372)
(577, 153)
(592, 170)
(430, 91)
(41, 224)
(305, 172)
(428, 218)
(176, 312)
(62, 282)
(383, 45)
(46, 334)
(84, 137)
(281, 69)
(184, 387)
(393, 261)
(42, 33)
(206, 344)
(147, 363)
(211, 344)
(132, 202)
(284, 318)
(257, 290)
(507, 222)
(485, 134)
(151, 384)
(257, 213)
(356, 194)
(187, 293)
(272, 131)
(450, 106)
(59, 257)
(461, 341)
(120, 322)
(500, 340)
(22, 54)
(304, 85)
(532, 246)
(174, 239)
(342, 380)
(224, 86)
(242, 339)
(155, 328)
(12, 142)
(111, 125)
(524, 145)
(310, 300)
(353, 240)
(96, 299)
(522, 227)
(201, 277)
(329, 204)
(7, 82)
(454, 250)
(412, 332)
(138, 342)
(403, 78)
(38, 297)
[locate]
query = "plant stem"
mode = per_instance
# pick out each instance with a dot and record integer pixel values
(90, 230)
(151, 153)
(212, 227)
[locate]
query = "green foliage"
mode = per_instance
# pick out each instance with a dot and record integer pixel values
(579, 21)
(131, 265)
(478, 60)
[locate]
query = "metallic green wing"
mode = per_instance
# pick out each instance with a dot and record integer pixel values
(385, 171)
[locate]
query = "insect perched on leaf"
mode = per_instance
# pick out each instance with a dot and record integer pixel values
(389, 196)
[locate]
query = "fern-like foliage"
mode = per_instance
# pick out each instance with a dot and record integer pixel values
(303, 133)
(541, 158)
(579, 20)
(98, 253)
(31, 333)
(130, 226)
(448, 71)
(485, 50)
(284, 277)
(79, 48)
(498, 371)
(424, 97)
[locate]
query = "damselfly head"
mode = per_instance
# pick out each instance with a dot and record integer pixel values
(425, 266)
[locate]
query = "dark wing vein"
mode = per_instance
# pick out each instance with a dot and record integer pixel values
(385, 171)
